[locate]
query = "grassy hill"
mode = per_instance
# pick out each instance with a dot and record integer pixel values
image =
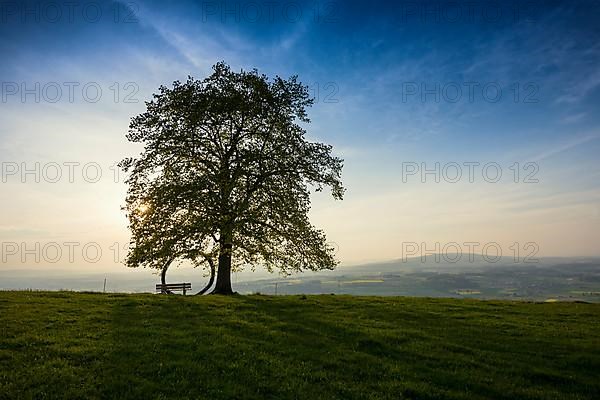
(78, 345)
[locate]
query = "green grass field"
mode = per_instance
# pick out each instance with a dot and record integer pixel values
(78, 345)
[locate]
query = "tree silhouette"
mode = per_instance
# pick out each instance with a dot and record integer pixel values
(224, 177)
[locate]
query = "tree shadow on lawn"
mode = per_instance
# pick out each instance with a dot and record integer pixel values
(357, 356)
(257, 347)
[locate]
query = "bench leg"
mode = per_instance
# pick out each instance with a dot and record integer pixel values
(184, 291)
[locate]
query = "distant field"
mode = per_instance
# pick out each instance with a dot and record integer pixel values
(78, 345)
(550, 280)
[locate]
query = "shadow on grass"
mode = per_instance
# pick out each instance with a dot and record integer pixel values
(261, 347)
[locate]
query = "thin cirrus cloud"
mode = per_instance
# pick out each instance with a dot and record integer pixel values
(565, 146)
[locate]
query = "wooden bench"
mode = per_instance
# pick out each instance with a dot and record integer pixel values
(160, 288)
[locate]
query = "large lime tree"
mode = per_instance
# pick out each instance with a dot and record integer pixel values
(225, 176)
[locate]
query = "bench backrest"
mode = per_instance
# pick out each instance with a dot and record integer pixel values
(174, 286)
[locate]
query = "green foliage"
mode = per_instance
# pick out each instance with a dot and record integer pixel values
(226, 169)
(74, 345)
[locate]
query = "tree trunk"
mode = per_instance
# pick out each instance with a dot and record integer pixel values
(212, 277)
(163, 276)
(223, 285)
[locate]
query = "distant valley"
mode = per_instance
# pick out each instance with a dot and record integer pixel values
(549, 279)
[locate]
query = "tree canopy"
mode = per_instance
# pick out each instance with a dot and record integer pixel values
(225, 177)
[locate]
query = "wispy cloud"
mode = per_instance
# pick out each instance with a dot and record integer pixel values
(567, 145)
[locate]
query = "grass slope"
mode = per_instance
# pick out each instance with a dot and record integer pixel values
(78, 345)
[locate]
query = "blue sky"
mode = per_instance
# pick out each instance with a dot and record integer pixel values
(369, 63)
